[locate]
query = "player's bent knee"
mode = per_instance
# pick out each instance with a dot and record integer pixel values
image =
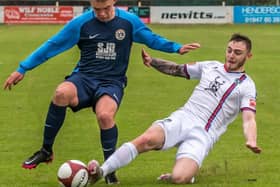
(105, 119)
(64, 98)
(180, 179)
(60, 97)
(66, 94)
(146, 142)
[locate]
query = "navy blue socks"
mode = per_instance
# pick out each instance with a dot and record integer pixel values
(54, 121)
(109, 138)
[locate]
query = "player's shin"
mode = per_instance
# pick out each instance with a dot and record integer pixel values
(122, 156)
(109, 138)
(54, 121)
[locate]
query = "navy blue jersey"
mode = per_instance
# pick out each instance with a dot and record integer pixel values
(104, 46)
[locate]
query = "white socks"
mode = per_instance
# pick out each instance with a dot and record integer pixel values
(121, 157)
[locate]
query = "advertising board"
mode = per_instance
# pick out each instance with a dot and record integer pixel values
(38, 14)
(191, 14)
(257, 14)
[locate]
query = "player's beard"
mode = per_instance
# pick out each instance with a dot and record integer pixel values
(236, 67)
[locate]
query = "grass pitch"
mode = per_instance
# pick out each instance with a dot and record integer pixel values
(148, 96)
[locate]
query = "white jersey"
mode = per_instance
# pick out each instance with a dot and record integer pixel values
(219, 96)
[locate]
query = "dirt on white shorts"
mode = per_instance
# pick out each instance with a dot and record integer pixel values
(187, 133)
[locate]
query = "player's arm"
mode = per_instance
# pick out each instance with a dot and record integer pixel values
(62, 41)
(163, 66)
(50, 48)
(250, 130)
(168, 67)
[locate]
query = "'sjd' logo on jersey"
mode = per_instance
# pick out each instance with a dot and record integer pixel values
(106, 51)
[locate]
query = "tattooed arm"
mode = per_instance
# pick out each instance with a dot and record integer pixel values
(163, 66)
(168, 67)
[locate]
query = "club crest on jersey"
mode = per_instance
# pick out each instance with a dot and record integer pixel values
(120, 34)
(215, 85)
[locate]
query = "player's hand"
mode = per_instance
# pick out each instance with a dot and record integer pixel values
(188, 47)
(147, 59)
(253, 147)
(13, 79)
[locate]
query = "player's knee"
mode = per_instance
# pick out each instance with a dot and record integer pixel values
(66, 94)
(181, 179)
(146, 142)
(60, 97)
(105, 119)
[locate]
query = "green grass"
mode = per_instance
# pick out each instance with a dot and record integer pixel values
(148, 96)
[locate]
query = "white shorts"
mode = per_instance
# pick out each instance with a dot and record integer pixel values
(183, 130)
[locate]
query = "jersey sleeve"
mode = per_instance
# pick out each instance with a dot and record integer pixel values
(65, 39)
(144, 35)
(249, 97)
(193, 70)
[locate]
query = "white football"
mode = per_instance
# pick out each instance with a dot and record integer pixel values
(73, 173)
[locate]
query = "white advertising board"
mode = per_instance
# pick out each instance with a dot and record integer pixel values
(191, 14)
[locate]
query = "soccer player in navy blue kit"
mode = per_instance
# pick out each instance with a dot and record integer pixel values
(104, 36)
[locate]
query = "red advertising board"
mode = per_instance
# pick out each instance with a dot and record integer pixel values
(38, 14)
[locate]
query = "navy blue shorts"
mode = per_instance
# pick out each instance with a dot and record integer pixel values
(90, 89)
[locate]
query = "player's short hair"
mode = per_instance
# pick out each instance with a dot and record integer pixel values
(242, 38)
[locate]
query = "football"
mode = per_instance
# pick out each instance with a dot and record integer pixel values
(73, 173)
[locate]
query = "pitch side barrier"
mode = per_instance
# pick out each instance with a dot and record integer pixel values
(215, 14)
(38, 14)
(152, 14)
(257, 14)
(55, 14)
(191, 14)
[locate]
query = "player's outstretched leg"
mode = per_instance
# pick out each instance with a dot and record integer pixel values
(95, 172)
(40, 156)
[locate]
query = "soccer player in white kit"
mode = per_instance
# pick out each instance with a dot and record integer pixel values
(224, 90)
